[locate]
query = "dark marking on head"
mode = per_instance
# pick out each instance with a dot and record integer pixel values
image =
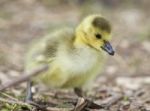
(102, 23)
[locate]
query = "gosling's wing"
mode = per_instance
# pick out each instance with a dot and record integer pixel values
(44, 51)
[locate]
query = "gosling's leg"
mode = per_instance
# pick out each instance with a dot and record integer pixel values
(29, 97)
(29, 94)
(78, 91)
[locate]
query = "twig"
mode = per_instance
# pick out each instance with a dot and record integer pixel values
(8, 96)
(24, 77)
(112, 100)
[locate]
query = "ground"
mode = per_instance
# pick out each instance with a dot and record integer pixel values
(124, 84)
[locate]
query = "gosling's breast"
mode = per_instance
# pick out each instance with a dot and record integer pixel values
(80, 61)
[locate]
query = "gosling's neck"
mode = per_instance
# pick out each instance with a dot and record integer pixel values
(80, 40)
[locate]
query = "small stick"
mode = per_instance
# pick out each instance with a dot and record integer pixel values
(8, 96)
(110, 101)
(24, 77)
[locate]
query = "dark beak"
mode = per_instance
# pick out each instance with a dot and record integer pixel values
(108, 48)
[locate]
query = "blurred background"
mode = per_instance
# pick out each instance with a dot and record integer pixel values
(24, 20)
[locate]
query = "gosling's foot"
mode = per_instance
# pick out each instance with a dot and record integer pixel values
(84, 103)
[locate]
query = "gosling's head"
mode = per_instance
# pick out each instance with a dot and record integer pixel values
(95, 31)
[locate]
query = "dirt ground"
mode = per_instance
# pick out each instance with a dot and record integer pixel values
(124, 85)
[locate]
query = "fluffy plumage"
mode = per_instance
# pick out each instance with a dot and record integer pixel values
(75, 56)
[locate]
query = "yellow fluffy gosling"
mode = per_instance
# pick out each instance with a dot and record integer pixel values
(75, 56)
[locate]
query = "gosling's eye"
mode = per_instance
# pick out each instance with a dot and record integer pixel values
(98, 36)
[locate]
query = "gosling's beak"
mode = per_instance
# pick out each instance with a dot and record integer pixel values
(108, 48)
